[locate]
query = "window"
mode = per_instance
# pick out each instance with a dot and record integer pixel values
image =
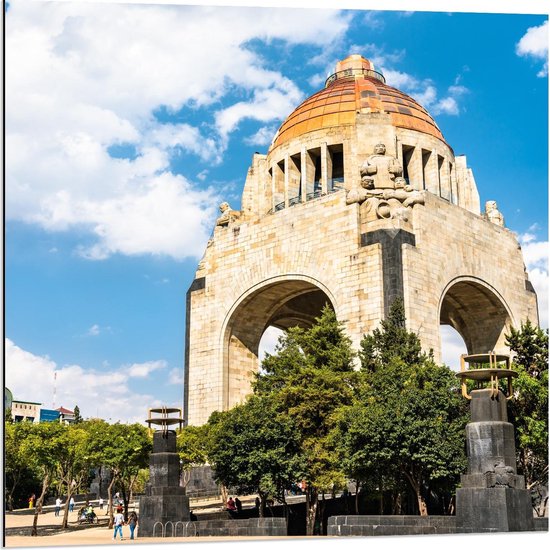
(440, 173)
(425, 168)
(336, 178)
(407, 163)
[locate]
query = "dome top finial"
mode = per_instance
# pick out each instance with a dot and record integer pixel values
(352, 65)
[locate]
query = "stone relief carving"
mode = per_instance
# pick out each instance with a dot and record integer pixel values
(227, 215)
(492, 213)
(501, 476)
(204, 260)
(383, 193)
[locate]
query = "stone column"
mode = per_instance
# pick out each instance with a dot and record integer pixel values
(165, 502)
(286, 176)
(492, 497)
(324, 168)
(304, 170)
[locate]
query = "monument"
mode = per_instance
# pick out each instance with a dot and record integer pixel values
(165, 504)
(492, 497)
(358, 201)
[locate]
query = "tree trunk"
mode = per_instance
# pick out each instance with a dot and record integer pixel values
(64, 523)
(125, 501)
(110, 499)
(263, 500)
(322, 513)
(311, 509)
(10, 499)
(12, 491)
(223, 494)
(417, 488)
(357, 486)
(38, 509)
(397, 505)
(380, 496)
(132, 484)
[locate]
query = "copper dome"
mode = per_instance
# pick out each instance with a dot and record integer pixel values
(355, 88)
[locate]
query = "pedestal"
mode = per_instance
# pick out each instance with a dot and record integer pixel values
(492, 497)
(165, 502)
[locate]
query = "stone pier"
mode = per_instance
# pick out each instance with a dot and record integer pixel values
(165, 500)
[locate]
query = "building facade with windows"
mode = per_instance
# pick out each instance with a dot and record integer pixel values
(359, 201)
(25, 410)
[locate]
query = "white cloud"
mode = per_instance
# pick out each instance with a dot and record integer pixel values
(93, 330)
(104, 394)
(266, 105)
(373, 20)
(143, 370)
(83, 77)
(262, 137)
(427, 96)
(175, 377)
(534, 43)
(268, 342)
(452, 347)
(447, 105)
(535, 255)
(168, 216)
(425, 92)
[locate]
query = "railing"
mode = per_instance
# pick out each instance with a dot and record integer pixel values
(334, 186)
(353, 72)
(185, 529)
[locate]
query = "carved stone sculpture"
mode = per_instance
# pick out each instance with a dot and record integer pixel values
(381, 169)
(492, 213)
(204, 260)
(227, 215)
(383, 193)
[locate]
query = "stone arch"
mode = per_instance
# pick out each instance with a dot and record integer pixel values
(283, 302)
(478, 312)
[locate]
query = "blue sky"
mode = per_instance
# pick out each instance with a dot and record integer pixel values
(127, 124)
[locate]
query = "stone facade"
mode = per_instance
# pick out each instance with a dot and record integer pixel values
(316, 226)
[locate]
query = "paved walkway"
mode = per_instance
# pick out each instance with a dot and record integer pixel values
(102, 535)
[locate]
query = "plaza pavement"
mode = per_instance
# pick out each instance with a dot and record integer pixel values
(101, 535)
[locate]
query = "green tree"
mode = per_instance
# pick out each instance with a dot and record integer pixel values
(77, 417)
(389, 341)
(410, 418)
(44, 448)
(529, 408)
(308, 378)
(255, 449)
(18, 475)
(74, 464)
(191, 444)
(125, 450)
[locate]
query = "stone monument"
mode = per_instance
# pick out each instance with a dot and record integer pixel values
(165, 503)
(492, 497)
(359, 200)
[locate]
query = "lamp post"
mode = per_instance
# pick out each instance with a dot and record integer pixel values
(165, 502)
(492, 496)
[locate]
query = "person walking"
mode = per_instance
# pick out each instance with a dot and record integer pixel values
(32, 498)
(119, 522)
(57, 506)
(132, 522)
(71, 504)
(101, 503)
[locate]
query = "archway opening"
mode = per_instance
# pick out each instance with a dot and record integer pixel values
(267, 311)
(452, 346)
(477, 314)
(268, 341)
